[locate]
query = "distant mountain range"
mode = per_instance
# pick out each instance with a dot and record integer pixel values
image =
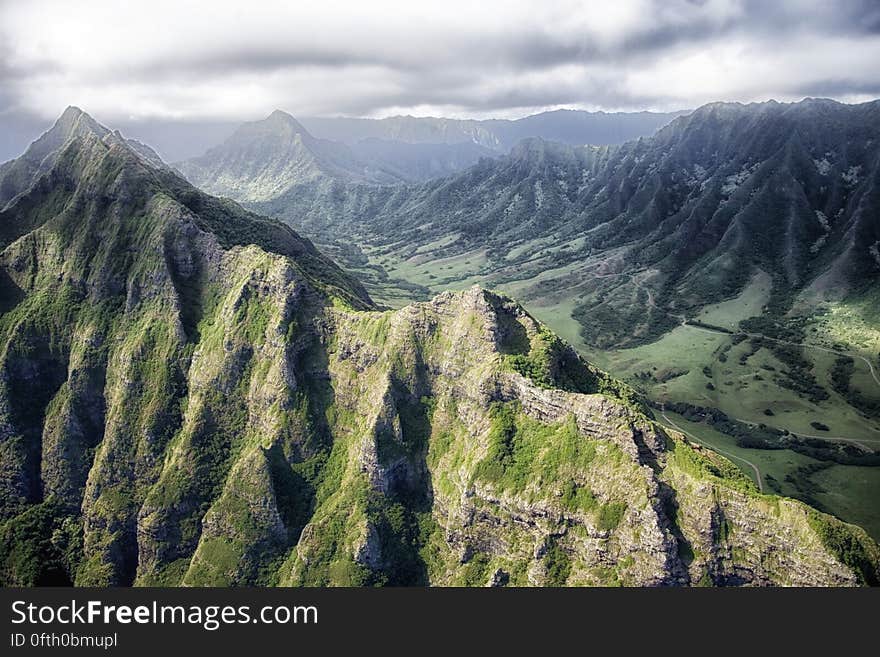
(178, 140)
(265, 159)
(575, 127)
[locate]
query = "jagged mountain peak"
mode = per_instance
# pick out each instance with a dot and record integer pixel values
(279, 115)
(75, 121)
(19, 175)
(72, 123)
(266, 158)
(16, 176)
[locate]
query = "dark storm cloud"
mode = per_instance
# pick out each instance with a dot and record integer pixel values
(225, 61)
(529, 48)
(255, 59)
(824, 17)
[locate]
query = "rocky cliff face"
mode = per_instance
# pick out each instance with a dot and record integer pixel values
(191, 395)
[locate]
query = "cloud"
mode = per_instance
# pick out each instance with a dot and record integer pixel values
(228, 60)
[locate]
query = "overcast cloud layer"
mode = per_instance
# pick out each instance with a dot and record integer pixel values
(228, 61)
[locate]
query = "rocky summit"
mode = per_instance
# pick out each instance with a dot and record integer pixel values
(191, 394)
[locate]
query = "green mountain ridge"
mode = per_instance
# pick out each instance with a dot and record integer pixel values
(728, 262)
(192, 394)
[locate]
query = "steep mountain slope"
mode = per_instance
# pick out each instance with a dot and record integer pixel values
(574, 127)
(191, 394)
(17, 175)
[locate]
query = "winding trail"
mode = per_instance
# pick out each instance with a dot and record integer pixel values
(699, 441)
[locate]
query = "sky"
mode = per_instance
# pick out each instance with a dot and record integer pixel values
(220, 62)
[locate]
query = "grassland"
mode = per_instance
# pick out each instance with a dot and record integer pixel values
(851, 493)
(748, 304)
(717, 369)
(692, 364)
(772, 464)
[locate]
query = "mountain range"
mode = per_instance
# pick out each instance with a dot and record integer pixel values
(574, 127)
(178, 140)
(728, 262)
(264, 159)
(192, 394)
(697, 209)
